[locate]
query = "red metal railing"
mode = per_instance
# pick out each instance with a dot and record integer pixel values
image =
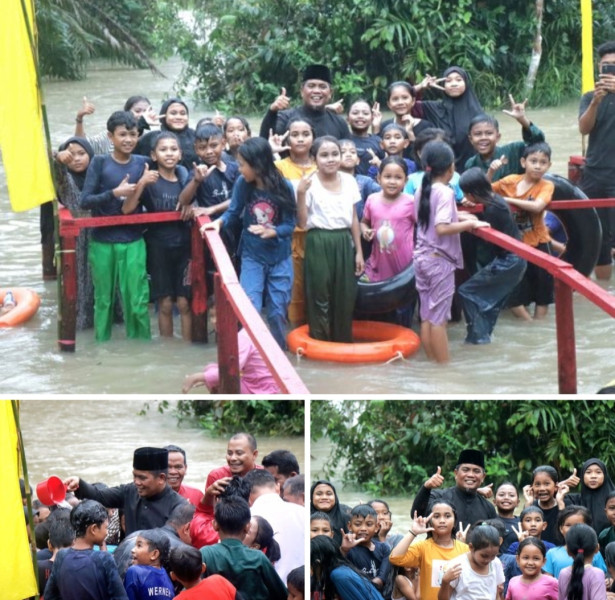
(231, 301)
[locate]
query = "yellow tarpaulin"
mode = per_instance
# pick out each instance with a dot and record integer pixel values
(17, 580)
(587, 45)
(22, 137)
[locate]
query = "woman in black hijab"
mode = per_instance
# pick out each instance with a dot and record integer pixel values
(454, 112)
(323, 497)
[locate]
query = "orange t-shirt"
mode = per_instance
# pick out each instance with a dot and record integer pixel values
(531, 225)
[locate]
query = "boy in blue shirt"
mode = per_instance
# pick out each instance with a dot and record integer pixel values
(117, 253)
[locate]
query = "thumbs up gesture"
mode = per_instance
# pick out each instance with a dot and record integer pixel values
(282, 102)
(124, 189)
(148, 176)
(436, 480)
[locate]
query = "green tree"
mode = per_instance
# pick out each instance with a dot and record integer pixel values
(393, 446)
(243, 51)
(73, 32)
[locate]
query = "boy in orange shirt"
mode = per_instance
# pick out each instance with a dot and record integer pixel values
(531, 194)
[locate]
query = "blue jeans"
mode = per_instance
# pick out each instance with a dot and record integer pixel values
(484, 294)
(271, 286)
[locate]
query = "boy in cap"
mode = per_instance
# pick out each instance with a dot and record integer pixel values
(464, 496)
(147, 502)
(316, 93)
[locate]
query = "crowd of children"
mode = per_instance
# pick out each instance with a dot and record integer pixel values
(87, 551)
(305, 215)
(560, 546)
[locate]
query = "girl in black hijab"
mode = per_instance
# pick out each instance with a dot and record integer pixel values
(454, 112)
(596, 485)
(323, 497)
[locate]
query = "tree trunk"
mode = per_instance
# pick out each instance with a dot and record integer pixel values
(536, 50)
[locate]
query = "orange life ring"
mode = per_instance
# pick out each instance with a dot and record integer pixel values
(26, 304)
(379, 342)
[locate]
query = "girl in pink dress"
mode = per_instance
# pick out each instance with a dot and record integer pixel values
(532, 584)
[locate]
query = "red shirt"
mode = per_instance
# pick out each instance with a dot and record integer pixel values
(192, 494)
(214, 587)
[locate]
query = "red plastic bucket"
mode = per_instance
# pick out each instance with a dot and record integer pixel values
(51, 491)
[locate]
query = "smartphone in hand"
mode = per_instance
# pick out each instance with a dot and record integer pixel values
(608, 69)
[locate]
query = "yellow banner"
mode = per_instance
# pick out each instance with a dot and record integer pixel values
(17, 580)
(22, 137)
(587, 46)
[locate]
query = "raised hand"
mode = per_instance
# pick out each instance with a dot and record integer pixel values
(376, 116)
(375, 160)
(496, 164)
(486, 491)
(282, 102)
(87, 108)
(573, 480)
(421, 524)
(148, 176)
(528, 494)
(336, 107)
(521, 534)
(304, 183)
(276, 142)
(436, 480)
(125, 188)
(218, 119)
(451, 573)
(517, 109)
(462, 533)
(202, 172)
(151, 116)
(349, 541)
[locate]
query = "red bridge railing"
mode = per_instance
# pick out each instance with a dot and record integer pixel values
(232, 304)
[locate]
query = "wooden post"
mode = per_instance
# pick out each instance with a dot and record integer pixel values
(228, 349)
(47, 225)
(67, 318)
(199, 286)
(566, 349)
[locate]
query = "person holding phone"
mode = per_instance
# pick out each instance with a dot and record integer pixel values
(597, 118)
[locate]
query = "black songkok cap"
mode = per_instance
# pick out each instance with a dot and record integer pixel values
(150, 459)
(320, 72)
(472, 457)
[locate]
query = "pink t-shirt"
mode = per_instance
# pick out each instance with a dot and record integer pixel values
(393, 242)
(544, 588)
(255, 376)
(443, 210)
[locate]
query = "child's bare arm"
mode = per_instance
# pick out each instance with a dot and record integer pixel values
(87, 108)
(356, 238)
(531, 206)
(302, 188)
(517, 111)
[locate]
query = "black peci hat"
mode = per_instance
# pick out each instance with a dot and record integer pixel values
(321, 72)
(150, 459)
(471, 457)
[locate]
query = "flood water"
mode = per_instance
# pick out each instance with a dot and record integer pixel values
(521, 359)
(96, 440)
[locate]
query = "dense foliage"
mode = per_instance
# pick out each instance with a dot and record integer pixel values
(259, 417)
(72, 32)
(394, 446)
(243, 51)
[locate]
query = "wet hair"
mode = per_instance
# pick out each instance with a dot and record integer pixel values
(300, 120)
(232, 515)
(85, 514)
(119, 118)
(243, 121)
(532, 541)
(259, 478)
(483, 536)
(549, 470)
(237, 487)
(363, 511)
(581, 542)
(257, 153)
(395, 127)
(531, 509)
(609, 555)
(186, 562)
(323, 139)
(264, 538)
(437, 158)
(453, 510)
(135, 100)
(475, 182)
(284, 460)
(394, 160)
(569, 511)
(167, 135)
(320, 516)
(157, 540)
(207, 132)
(295, 485)
(484, 118)
(41, 535)
(181, 515)
(61, 533)
(171, 447)
(404, 84)
(498, 525)
(606, 48)
(537, 148)
(249, 437)
(296, 578)
(429, 135)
